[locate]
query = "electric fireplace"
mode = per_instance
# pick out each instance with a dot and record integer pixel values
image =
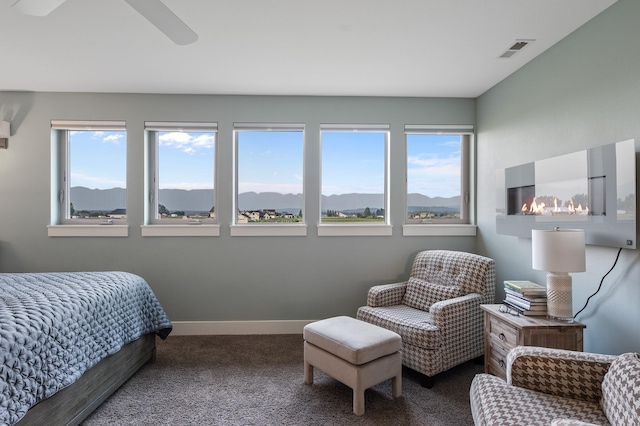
(594, 190)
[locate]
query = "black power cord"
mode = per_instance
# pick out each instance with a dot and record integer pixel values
(600, 286)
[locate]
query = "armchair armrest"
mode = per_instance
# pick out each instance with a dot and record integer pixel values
(447, 313)
(386, 294)
(460, 321)
(558, 372)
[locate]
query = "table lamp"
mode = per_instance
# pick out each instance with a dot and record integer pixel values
(558, 251)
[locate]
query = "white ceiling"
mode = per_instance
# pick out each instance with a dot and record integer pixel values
(440, 48)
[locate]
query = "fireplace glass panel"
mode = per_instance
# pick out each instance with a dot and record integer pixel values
(594, 190)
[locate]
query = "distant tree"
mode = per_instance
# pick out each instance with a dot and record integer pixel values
(580, 200)
(380, 212)
(71, 209)
(548, 201)
(300, 213)
(179, 213)
(628, 204)
(367, 212)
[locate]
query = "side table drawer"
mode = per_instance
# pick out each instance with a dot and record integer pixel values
(498, 359)
(503, 332)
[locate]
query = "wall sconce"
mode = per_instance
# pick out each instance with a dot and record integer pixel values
(4, 134)
(558, 251)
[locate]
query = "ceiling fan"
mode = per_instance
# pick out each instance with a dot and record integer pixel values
(154, 11)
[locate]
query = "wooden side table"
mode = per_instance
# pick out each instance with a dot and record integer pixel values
(504, 331)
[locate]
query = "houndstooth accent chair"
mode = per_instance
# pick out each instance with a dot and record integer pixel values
(437, 311)
(559, 388)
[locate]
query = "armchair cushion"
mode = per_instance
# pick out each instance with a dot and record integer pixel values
(621, 390)
(414, 325)
(464, 270)
(421, 294)
(496, 403)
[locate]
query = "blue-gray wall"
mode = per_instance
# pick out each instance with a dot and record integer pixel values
(581, 93)
(216, 278)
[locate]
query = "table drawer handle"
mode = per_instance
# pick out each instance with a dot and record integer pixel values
(502, 337)
(502, 363)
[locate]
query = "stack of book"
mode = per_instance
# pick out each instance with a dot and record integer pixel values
(526, 297)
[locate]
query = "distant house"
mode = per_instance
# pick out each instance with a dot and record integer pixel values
(118, 214)
(242, 218)
(255, 215)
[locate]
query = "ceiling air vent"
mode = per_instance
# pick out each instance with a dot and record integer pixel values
(515, 48)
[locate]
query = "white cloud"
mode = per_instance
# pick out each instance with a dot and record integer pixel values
(113, 138)
(188, 142)
(420, 166)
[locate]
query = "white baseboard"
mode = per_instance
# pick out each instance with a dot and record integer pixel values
(195, 328)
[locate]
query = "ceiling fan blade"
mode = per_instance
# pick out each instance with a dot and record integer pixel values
(36, 7)
(165, 20)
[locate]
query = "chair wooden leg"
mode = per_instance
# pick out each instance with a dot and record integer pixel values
(426, 381)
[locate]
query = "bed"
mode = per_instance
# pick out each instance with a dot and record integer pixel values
(69, 340)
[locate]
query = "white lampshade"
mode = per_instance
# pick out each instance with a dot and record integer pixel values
(558, 250)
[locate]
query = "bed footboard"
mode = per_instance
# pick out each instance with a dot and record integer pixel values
(74, 403)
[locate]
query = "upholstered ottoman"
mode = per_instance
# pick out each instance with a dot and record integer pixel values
(356, 353)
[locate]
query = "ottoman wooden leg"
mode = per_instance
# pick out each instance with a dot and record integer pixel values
(358, 402)
(396, 386)
(308, 373)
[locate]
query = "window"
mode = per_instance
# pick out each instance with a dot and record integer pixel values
(180, 179)
(354, 174)
(269, 175)
(437, 174)
(184, 174)
(90, 180)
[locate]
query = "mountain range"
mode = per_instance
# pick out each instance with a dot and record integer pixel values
(201, 200)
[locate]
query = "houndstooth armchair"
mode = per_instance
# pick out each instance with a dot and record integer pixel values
(437, 311)
(558, 387)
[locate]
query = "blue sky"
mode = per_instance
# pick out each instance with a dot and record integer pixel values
(186, 160)
(98, 159)
(270, 162)
(433, 165)
(352, 162)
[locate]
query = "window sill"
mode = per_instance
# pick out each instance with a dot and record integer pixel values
(375, 230)
(88, 230)
(436, 230)
(262, 230)
(180, 230)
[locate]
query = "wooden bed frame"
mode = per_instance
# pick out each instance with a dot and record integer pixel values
(74, 403)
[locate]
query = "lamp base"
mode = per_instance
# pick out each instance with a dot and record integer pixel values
(559, 298)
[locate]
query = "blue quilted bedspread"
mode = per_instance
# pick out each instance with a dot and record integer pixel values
(55, 326)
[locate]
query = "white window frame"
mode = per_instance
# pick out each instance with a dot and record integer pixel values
(263, 229)
(154, 226)
(61, 225)
(359, 229)
(442, 227)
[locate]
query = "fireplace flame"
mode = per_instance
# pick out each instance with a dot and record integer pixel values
(539, 208)
(535, 208)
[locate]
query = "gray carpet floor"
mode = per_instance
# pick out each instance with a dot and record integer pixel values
(258, 380)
